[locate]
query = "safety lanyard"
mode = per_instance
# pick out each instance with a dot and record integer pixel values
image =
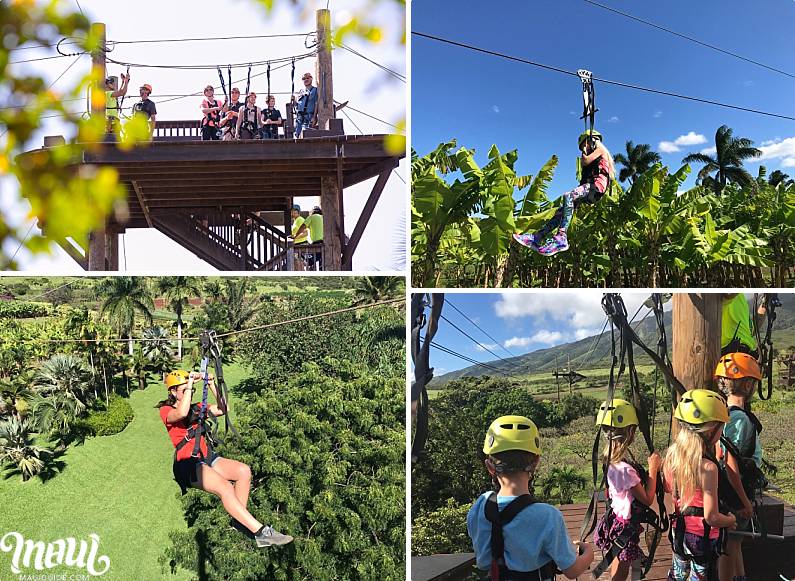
(248, 81)
(223, 84)
(120, 104)
(420, 355)
(268, 73)
(588, 99)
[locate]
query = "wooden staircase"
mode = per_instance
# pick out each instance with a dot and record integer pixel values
(229, 241)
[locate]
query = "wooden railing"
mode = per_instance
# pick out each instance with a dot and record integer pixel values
(189, 130)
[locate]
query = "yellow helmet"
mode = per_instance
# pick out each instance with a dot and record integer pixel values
(176, 378)
(619, 415)
(590, 133)
(699, 406)
(512, 433)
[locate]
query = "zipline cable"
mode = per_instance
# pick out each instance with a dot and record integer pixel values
(384, 68)
(211, 66)
(471, 338)
(460, 312)
(606, 81)
(219, 335)
(690, 38)
(475, 362)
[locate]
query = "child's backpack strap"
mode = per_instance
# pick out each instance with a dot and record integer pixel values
(498, 519)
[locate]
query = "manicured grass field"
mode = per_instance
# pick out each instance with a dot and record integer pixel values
(119, 487)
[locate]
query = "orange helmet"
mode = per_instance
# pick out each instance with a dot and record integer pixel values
(148, 87)
(738, 366)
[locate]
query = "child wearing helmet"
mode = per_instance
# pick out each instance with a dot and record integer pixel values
(630, 488)
(692, 475)
(737, 375)
(512, 534)
(206, 470)
(598, 169)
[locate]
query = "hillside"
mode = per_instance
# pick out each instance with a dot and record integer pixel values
(581, 356)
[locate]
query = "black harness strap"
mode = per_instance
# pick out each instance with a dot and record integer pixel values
(770, 302)
(248, 81)
(420, 356)
(268, 73)
(223, 84)
(498, 519)
(121, 101)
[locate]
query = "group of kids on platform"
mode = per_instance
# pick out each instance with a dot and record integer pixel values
(222, 120)
(520, 539)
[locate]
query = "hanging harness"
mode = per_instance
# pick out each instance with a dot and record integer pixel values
(593, 170)
(248, 124)
(770, 302)
(498, 519)
(420, 354)
(211, 353)
(676, 534)
(223, 84)
(614, 308)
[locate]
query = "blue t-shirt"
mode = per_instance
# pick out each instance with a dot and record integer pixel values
(740, 431)
(536, 536)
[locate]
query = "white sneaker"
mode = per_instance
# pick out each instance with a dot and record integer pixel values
(268, 537)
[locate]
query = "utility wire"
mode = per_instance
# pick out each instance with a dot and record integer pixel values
(482, 330)
(372, 117)
(285, 59)
(384, 68)
(606, 81)
(71, 282)
(44, 58)
(690, 38)
(219, 335)
(80, 8)
(444, 349)
(22, 242)
(157, 40)
(471, 338)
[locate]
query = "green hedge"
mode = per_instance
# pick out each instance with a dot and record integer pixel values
(112, 421)
(23, 310)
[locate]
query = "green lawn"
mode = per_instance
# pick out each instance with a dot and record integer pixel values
(119, 487)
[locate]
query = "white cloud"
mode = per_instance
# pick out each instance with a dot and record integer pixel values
(690, 138)
(547, 337)
(495, 108)
(613, 119)
(657, 114)
(709, 151)
(517, 342)
(485, 346)
(580, 334)
(748, 83)
(667, 147)
(779, 148)
(571, 310)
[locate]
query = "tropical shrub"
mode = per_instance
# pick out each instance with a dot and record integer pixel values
(443, 530)
(18, 452)
(23, 310)
(113, 420)
(652, 234)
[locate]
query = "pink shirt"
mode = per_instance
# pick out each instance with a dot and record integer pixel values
(621, 477)
(693, 524)
(601, 180)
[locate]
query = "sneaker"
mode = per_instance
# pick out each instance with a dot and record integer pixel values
(562, 241)
(548, 249)
(268, 537)
(528, 240)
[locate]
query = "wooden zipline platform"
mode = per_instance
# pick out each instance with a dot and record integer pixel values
(764, 560)
(223, 200)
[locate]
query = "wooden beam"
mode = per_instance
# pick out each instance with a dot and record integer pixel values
(364, 218)
(73, 252)
(142, 201)
(329, 201)
(696, 338)
(240, 186)
(325, 77)
(370, 171)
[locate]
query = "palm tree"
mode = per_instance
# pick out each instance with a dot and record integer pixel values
(779, 177)
(156, 348)
(730, 154)
(66, 376)
(561, 483)
(16, 393)
(374, 289)
(638, 160)
(17, 449)
(126, 296)
(177, 291)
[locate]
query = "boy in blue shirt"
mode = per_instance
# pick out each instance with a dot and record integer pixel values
(513, 535)
(737, 375)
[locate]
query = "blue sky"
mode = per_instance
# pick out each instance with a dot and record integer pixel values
(519, 322)
(483, 100)
(366, 87)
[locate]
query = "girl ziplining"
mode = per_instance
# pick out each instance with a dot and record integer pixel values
(197, 465)
(598, 170)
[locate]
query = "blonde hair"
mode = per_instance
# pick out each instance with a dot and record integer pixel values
(610, 163)
(618, 442)
(683, 459)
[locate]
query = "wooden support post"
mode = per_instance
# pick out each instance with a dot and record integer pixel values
(361, 224)
(243, 240)
(329, 201)
(325, 85)
(97, 244)
(696, 338)
(112, 248)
